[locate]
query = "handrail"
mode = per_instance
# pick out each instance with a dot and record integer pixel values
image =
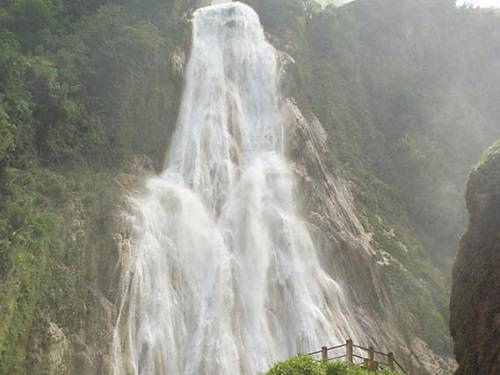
(360, 347)
(313, 353)
(400, 367)
(368, 362)
(380, 353)
(330, 348)
(335, 347)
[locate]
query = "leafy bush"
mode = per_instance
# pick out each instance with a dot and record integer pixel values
(340, 368)
(299, 365)
(336, 368)
(306, 365)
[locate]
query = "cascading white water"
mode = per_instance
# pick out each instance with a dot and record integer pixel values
(223, 277)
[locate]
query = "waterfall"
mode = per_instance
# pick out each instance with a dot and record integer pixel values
(223, 276)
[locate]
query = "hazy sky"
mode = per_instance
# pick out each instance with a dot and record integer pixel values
(481, 3)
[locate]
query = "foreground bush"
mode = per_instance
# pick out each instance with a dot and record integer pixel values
(300, 365)
(305, 365)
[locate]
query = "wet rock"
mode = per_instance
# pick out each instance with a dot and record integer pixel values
(475, 300)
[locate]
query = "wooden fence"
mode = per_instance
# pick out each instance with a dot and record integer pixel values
(368, 358)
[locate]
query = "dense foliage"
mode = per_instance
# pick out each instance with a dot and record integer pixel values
(68, 79)
(83, 85)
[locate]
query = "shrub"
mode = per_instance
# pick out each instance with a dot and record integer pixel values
(305, 365)
(300, 365)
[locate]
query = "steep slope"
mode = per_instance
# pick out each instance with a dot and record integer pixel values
(386, 94)
(475, 300)
(83, 89)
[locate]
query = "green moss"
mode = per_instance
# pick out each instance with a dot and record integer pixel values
(492, 152)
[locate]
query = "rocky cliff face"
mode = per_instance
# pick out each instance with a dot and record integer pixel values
(475, 300)
(76, 338)
(365, 236)
(350, 251)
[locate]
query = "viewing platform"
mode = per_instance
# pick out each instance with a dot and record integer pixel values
(368, 358)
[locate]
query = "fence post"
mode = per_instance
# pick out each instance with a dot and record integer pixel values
(390, 360)
(324, 353)
(371, 357)
(348, 351)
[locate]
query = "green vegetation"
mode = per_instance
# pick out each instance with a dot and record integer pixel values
(34, 246)
(68, 83)
(84, 86)
(300, 365)
(404, 90)
(306, 365)
(419, 138)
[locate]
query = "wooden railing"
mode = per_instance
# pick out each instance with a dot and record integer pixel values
(368, 358)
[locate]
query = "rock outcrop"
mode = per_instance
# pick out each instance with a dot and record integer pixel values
(475, 300)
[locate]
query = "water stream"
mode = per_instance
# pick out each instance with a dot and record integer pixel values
(223, 277)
